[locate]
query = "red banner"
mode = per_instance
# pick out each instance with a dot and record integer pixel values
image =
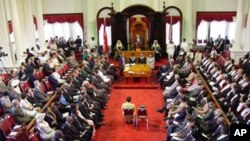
(105, 39)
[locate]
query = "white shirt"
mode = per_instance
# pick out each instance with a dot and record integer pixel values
(184, 45)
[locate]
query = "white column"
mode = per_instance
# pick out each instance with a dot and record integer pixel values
(239, 26)
(4, 37)
(245, 40)
(237, 50)
(189, 21)
(39, 18)
(91, 20)
(19, 44)
(29, 24)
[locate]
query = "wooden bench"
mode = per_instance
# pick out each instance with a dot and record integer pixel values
(137, 54)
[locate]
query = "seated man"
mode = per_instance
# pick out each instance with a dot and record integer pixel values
(18, 114)
(132, 59)
(128, 106)
(141, 59)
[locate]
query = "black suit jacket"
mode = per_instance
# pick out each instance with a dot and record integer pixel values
(141, 60)
(70, 132)
(54, 83)
(47, 69)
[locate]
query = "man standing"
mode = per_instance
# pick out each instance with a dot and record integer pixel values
(78, 42)
(122, 62)
(184, 45)
(92, 44)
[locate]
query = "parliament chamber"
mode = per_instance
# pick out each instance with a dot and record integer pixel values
(90, 70)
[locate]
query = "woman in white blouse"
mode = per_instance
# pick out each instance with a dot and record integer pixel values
(27, 107)
(45, 131)
(151, 61)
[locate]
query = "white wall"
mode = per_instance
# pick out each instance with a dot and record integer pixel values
(216, 5)
(91, 7)
(63, 6)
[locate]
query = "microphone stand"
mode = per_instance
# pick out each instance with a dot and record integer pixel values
(4, 67)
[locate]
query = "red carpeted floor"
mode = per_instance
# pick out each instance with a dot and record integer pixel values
(116, 130)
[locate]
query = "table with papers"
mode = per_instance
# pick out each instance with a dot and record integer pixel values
(137, 70)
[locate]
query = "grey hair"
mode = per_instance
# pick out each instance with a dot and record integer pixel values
(15, 102)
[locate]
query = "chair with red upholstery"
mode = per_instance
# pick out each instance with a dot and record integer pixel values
(10, 120)
(23, 86)
(1, 110)
(45, 90)
(142, 115)
(5, 127)
(43, 87)
(128, 115)
(48, 85)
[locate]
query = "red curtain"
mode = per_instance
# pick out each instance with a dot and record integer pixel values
(105, 39)
(133, 19)
(214, 16)
(174, 19)
(61, 18)
(11, 28)
(35, 22)
(101, 21)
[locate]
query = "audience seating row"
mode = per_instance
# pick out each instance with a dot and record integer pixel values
(7, 124)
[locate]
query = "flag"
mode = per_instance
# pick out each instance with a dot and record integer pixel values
(105, 39)
(170, 35)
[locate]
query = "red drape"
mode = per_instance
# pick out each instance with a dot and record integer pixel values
(133, 19)
(105, 39)
(101, 21)
(174, 19)
(214, 16)
(61, 18)
(11, 28)
(35, 22)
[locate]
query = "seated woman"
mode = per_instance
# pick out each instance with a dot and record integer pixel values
(45, 131)
(151, 61)
(128, 106)
(27, 107)
(142, 59)
(118, 48)
(132, 59)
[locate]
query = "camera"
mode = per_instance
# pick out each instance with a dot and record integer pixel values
(2, 54)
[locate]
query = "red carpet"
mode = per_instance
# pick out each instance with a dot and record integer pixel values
(115, 128)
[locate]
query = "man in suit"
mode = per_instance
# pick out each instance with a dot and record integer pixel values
(220, 127)
(70, 131)
(141, 59)
(18, 114)
(122, 62)
(81, 125)
(78, 41)
(132, 59)
(39, 95)
(53, 81)
(47, 68)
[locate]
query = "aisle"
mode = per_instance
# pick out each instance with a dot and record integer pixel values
(116, 130)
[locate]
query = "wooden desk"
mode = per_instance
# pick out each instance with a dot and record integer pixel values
(137, 70)
(127, 54)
